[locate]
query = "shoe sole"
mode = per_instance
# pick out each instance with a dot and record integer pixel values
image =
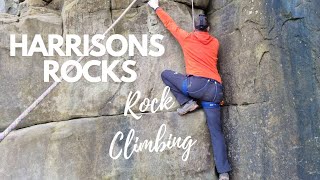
(190, 110)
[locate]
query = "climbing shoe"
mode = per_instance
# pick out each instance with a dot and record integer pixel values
(224, 176)
(188, 107)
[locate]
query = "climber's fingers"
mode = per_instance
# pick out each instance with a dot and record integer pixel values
(154, 4)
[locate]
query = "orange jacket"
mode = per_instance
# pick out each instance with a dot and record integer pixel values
(200, 49)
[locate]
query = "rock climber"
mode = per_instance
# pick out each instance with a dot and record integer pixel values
(202, 81)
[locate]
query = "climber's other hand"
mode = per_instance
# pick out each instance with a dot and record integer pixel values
(154, 4)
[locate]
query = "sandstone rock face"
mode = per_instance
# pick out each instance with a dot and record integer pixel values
(9, 6)
(199, 4)
(269, 62)
(67, 102)
(82, 113)
(79, 149)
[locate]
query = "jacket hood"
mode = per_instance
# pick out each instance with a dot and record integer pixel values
(203, 37)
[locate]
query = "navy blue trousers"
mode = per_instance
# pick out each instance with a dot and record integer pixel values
(202, 89)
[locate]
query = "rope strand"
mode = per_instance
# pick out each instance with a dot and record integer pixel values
(192, 15)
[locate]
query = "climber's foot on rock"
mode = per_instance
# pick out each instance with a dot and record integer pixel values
(224, 176)
(188, 107)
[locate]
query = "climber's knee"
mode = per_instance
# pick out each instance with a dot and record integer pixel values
(165, 74)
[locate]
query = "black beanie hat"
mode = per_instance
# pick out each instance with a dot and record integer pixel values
(201, 23)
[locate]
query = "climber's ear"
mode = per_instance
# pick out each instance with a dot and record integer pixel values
(208, 28)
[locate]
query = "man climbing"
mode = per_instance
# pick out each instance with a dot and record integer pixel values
(202, 81)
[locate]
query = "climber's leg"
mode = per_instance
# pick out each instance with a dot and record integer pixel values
(211, 94)
(175, 81)
(217, 138)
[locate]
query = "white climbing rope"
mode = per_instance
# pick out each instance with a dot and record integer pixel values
(14, 124)
(192, 15)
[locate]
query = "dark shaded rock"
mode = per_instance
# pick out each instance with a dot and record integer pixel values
(269, 61)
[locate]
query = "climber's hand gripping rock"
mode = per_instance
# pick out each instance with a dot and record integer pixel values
(154, 4)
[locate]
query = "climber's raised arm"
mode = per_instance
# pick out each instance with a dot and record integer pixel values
(168, 22)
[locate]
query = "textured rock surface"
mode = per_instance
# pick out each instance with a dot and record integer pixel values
(9, 6)
(201, 4)
(270, 65)
(269, 61)
(82, 141)
(67, 102)
(78, 149)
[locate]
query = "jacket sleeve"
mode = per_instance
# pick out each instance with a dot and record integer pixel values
(169, 23)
